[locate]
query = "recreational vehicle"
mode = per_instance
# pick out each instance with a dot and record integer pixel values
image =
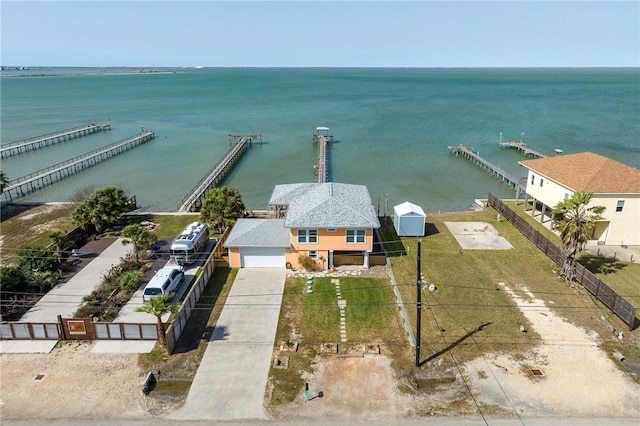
(186, 248)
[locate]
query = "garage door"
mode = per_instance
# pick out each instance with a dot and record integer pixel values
(262, 257)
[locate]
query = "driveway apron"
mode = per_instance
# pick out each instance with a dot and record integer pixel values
(232, 377)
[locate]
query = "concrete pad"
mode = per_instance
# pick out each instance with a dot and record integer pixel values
(232, 377)
(123, 346)
(477, 236)
(27, 346)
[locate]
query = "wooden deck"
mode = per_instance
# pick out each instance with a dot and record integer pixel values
(321, 168)
(522, 147)
(239, 145)
(34, 181)
(322, 173)
(26, 145)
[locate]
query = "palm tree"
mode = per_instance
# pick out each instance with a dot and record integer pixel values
(101, 209)
(4, 180)
(59, 239)
(576, 222)
(43, 281)
(221, 206)
(158, 306)
(139, 236)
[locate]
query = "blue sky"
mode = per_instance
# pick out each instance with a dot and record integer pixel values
(321, 33)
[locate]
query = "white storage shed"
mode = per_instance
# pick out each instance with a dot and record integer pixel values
(409, 220)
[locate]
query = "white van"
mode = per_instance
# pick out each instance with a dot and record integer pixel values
(166, 280)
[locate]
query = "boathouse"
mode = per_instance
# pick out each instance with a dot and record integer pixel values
(408, 220)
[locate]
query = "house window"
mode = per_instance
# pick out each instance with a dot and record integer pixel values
(307, 236)
(533, 178)
(566, 196)
(331, 229)
(355, 236)
(620, 205)
(541, 182)
(313, 254)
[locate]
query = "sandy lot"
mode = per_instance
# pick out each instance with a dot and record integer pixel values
(75, 383)
(578, 380)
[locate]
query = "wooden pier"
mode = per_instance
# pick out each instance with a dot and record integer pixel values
(22, 146)
(240, 143)
(322, 137)
(250, 139)
(468, 153)
(34, 181)
(522, 147)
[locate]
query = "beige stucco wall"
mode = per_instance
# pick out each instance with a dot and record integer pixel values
(336, 241)
(623, 227)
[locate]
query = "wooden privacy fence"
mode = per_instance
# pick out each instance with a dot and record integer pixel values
(620, 306)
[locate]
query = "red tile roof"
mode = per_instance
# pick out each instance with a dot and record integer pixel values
(588, 172)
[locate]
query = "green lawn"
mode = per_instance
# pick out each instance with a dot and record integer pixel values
(466, 294)
(313, 319)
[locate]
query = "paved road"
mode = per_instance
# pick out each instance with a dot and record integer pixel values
(232, 377)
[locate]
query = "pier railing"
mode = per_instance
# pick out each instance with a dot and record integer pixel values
(620, 306)
(30, 144)
(71, 161)
(215, 173)
(82, 160)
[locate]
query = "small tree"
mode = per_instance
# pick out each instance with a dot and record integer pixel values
(4, 180)
(59, 239)
(139, 236)
(576, 222)
(158, 306)
(221, 207)
(101, 209)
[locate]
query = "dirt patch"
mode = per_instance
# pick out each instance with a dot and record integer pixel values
(73, 383)
(577, 380)
(355, 388)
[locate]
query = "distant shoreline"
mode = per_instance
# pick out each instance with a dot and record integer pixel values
(65, 72)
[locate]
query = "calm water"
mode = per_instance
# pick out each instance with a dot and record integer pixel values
(392, 126)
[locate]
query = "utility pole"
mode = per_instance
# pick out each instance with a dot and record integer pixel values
(418, 305)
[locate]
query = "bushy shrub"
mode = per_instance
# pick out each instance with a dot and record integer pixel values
(12, 279)
(32, 257)
(306, 262)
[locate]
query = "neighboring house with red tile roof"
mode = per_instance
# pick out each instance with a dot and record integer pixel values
(614, 185)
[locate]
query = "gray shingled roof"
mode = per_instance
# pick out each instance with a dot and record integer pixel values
(259, 233)
(326, 205)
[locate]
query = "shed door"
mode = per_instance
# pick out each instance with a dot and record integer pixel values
(262, 257)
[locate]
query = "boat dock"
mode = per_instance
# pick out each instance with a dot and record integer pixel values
(522, 147)
(322, 137)
(22, 146)
(468, 153)
(34, 181)
(239, 145)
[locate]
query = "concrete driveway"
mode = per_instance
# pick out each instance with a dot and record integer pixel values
(232, 377)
